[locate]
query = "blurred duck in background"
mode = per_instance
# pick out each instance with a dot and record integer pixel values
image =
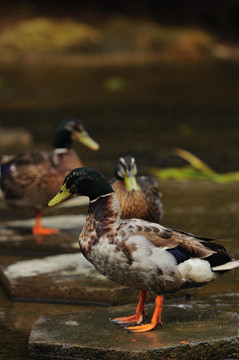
(29, 180)
(138, 195)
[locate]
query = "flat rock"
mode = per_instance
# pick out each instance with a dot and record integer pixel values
(185, 334)
(16, 236)
(62, 278)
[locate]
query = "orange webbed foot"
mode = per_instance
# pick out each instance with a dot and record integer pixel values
(142, 328)
(156, 319)
(129, 320)
(38, 230)
(139, 315)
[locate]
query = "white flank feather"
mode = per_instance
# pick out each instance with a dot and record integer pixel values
(196, 270)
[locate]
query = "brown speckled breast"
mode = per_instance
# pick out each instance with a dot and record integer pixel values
(100, 222)
(145, 203)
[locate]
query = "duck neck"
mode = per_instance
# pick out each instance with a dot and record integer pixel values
(105, 211)
(62, 139)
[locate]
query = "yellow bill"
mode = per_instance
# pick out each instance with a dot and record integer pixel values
(130, 181)
(60, 196)
(84, 138)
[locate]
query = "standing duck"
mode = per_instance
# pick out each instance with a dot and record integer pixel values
(29, 180)
(138, 195)
(137, 253)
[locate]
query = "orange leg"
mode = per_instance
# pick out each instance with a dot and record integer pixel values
(155, 321)
(39, 230)
(138, 317)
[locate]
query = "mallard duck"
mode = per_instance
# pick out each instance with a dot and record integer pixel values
(138, 195)
(29, 180)
(137, 253)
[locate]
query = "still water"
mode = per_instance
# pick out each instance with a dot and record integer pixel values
(145, 111)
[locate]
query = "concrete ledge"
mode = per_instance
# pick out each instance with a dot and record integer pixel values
(185, 334)
(66, 278)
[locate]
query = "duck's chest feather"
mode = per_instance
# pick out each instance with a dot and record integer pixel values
(101, 221)
(131, 260)
(64, 160)
(144, 203)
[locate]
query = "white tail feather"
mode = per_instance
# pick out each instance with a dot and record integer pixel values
(228, 266)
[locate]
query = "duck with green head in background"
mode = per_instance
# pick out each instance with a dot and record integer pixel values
(138, 253)
(29, 180)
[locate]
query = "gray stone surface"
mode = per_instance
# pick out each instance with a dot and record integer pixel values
(186, 334)
(62, 278)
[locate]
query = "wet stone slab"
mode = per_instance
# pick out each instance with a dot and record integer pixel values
(16, 236)
(185, 334)
(62, 278)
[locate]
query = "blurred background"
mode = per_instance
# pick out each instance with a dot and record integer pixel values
(143, 76)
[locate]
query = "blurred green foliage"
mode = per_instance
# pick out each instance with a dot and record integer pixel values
(197, 170)
(48, 35)
(64, 35)
(149, 35)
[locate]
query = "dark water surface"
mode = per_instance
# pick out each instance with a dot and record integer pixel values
(146, 112)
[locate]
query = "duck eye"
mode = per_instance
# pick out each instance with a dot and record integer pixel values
(61, 191)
